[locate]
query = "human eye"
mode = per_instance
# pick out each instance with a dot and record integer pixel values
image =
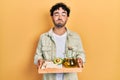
(56, 14)
(64, 14)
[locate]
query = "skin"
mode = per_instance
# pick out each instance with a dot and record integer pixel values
(59, 19)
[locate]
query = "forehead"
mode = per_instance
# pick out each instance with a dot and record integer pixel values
(60, 9)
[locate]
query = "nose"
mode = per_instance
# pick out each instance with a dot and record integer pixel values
(60, 17)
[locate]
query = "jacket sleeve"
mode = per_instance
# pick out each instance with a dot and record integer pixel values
(81, 52)
(38, 54)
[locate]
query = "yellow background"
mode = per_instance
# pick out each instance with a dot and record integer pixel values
(96, 21)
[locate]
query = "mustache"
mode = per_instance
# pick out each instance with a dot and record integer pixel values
(59, 20)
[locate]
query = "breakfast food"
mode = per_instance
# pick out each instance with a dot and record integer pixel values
(58, 61)
(49, 64)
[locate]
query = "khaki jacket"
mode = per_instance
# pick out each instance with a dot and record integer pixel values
(46, 50)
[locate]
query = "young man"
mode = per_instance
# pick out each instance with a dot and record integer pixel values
(56, 42)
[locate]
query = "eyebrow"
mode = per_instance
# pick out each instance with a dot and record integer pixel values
(58, 12)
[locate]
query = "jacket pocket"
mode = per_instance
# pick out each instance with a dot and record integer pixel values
(47, 52)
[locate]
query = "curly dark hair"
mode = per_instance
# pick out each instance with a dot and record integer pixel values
(57, 6)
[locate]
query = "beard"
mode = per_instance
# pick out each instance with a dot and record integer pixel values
(59, 25)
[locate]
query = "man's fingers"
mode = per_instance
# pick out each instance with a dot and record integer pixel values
(80, 62)
(40, 62)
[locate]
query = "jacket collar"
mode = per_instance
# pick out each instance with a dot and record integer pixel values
(50, 32)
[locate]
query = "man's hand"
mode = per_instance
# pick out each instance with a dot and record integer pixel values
(40, 63)
(80, 62)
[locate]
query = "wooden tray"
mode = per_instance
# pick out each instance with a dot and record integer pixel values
(60, 70)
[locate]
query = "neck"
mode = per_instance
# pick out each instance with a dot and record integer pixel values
(59, 31)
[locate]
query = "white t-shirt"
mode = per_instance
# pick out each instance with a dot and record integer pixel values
(60, 50)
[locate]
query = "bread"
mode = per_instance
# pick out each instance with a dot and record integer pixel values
(50, 64)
